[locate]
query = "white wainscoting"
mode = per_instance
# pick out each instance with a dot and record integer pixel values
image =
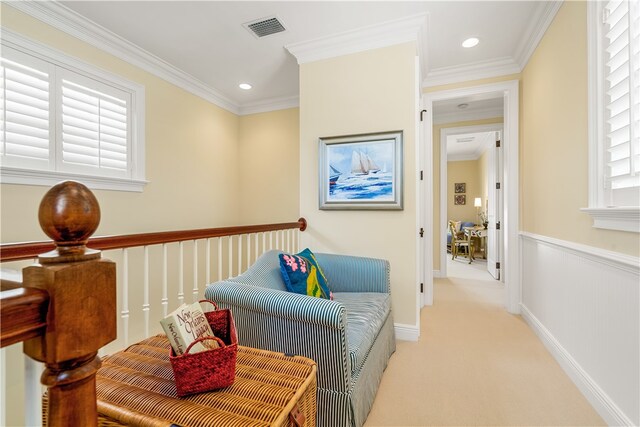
(584, 304)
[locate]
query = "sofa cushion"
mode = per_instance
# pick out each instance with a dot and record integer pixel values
(366, 313)
(264, 273)
(302, 274)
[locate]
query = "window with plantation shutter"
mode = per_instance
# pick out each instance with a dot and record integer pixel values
(64, 119)
(94, 128)
(614, 110)
(25, 111)
(621, 52)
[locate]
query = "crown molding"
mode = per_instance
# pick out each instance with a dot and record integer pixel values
(467, 115)
(267, 105)
(471, 71)
(72, 23)
(543, 17)
(535, 31)
(370, 37)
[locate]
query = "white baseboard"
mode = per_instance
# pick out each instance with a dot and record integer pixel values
(437, 273)
(589, 388)
(406, 332)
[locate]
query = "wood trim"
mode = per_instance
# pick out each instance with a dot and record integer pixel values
(22, 251)
(23, 315)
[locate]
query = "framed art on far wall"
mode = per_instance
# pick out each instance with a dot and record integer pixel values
(460, 199)
(361, 171)
(460, 187)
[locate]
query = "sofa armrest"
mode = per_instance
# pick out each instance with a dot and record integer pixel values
(290, 323)
(355, 274)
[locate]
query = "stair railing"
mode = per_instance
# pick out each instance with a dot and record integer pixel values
(71, 303)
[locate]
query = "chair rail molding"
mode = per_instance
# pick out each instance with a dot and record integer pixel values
(614, 259)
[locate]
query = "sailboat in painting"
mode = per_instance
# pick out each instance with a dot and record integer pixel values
(334, 175)
(362, 164)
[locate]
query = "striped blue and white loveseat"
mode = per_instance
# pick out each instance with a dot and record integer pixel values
(351, 338)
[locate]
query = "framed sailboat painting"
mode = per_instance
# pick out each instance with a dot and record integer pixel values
(361, 171)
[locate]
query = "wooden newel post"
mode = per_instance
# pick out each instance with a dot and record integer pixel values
(82, 304)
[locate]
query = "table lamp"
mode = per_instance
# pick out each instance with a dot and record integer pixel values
(478, 204)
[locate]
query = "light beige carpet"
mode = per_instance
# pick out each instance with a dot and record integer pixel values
(476, 365)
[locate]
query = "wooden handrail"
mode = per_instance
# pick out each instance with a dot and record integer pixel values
(23, 315)
(28, 250)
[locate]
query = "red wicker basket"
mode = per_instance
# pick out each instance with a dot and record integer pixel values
(210, 369)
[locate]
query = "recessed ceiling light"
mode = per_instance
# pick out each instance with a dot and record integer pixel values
(245, 86)
(470, 42)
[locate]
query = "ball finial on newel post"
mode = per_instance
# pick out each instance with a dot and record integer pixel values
(69, 214)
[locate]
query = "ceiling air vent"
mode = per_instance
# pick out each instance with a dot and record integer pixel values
(463, 140)
(265, 27)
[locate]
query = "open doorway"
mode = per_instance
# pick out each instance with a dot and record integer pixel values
(509, 224)
(471, 205)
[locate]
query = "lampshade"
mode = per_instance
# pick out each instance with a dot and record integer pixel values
(477, 202)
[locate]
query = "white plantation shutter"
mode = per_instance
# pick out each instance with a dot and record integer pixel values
(94, 127)
(621, 86)
(61, 118)
(25, 129)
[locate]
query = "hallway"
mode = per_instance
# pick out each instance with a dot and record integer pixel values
(476, 364)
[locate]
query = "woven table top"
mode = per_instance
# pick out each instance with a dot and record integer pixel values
(136, 387)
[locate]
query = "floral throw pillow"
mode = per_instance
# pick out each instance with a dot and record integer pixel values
(302, 274)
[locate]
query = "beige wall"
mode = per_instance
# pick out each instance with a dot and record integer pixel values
(468, 172)
(436, 175)
(191, 151)
(554, 138)
(365, 92)
(270, 167)
(191, 157)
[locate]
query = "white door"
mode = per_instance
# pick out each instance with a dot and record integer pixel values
(494, 208)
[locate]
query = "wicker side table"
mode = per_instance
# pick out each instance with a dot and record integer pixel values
(135, 387)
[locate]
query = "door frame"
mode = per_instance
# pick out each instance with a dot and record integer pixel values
(443, 182)
(510, 92)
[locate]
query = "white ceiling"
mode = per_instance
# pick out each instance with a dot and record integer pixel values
(468, 146)
(468, 108)
(206, 41)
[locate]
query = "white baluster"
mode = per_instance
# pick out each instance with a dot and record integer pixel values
(208, 263)
(239, 254)
(181, 275)
(165, 282)
(264, 242)
(145, 291)
(256, 248)
(124, 313)
(195, 271)
(277, 239)
(219, 258)
(3, 387)
(270, 240)
(230, 256)
(248, 250)
(32, 392)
